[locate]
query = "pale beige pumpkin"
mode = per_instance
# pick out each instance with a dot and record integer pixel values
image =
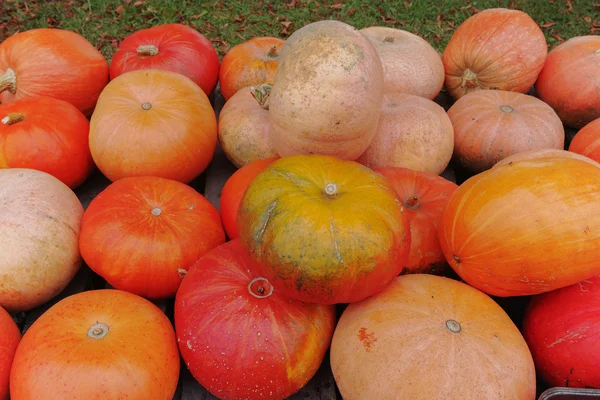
(413, 132)
(543, 153)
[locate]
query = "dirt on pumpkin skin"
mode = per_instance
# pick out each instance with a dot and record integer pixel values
(368, 339)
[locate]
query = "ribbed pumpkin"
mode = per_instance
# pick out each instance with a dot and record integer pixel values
(525, 228)
(323, 230)
(587, 141)
(492, 124)
(153, 122)
(9, 340)
(543, 153)
(496, 48)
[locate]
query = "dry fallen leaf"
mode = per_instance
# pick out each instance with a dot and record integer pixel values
(587, 19)
(139, 3)
(351, 12)
(335, 6)
(547, 24)
(285, 27)
(557, 37)
(120, 9)
(388, 20)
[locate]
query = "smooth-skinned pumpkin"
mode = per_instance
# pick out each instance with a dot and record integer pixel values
(587, 141)
(424, 196)
(40, 219)
(413, 132)
(233, 192)
(324, 230)
(251, 63)
(428, 337)
(171, 47)
(543, 153)
(240, 337)
(97, 345)
(328, 91)
(492, 124)
(153, 123)
(496, 48)
(525, 228)
(46, 134)
(570, 78)
(52, 62)
(410, 64)
(142, 234)
(561, 329)
(9, 340)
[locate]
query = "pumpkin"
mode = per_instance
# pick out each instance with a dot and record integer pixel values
(170, 47)
(251, 63)
(570, 78)
(239, 337)
(413, 132)
(243, 129)
(525, 228)
(52, 62)
(496, 48)
(153, 123)
(587, 141)
(46, 134)
(543, 153)
(323, 230)
(142, 234)
(233, 192)
(99, 344)
(429, 337)
(9, 340)
(410, 64)
(561, 329)
(424, 196)
(328, 91)
(492, 124)
(40, 218)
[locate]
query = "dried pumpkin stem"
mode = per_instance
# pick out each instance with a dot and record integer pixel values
(13, 118)
(273, 52)
(453, 326)
(98, 331)
(331, 190)
(506, 109)
(412, 202)
(262, 93)
(147, 50)
(389, 39)
(469, 80)
(8, 81)
(260, 288)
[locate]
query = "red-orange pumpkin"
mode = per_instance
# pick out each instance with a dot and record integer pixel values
(52, 62)
(492, 124)
(9, 340)
(172, 47)
(496, 48)
(587, 141)
(97, 345)
(240, 337)
(46, 134)
(251, 63)
(233, 192)
(142, 234)
(424, 196)
(570, 79)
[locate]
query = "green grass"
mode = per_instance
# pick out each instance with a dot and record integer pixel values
(105, 22)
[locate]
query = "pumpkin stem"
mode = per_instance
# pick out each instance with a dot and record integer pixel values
(156, 211)
(146, 106)
(262, 93)
(273, 52)
(506, 109)
(389, 39)
(453, 326)
(331, 190)
(147, 50)
(182, 272)
(8, 81)
(412, 202)
(98, 331)
(260, 288)
(13, 118)
(469, 80)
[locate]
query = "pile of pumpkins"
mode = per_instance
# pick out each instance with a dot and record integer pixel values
(338, 200)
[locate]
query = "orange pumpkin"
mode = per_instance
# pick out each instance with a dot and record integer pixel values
(233, 192)
(492, 124)
(543, 153)
(496, 48)
(323, 230)
(251, 63)
(428, 337)
(142, 234)
(97, 345)
(52, 62)
(9, 340)
(410, 64)
(525, 228)
(570, 78)
(424, 196)
(244, 126)
(153, 122)
(46, 134)
(413, 132)
(587, 141)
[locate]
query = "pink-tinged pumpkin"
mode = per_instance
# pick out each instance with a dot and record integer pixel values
(570, 79)
(9, 340)
(427, 337)
(587, 141)
(543, 153)
(410, 64)
(55, 63)
(240, 337)
(496, 48)
(413, 132)
(492, 124)
(561, 329)
(327, 94)
(171, 47)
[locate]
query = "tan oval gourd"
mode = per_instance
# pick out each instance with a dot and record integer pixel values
(327, 94)
(410, 64)
(413, 132)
